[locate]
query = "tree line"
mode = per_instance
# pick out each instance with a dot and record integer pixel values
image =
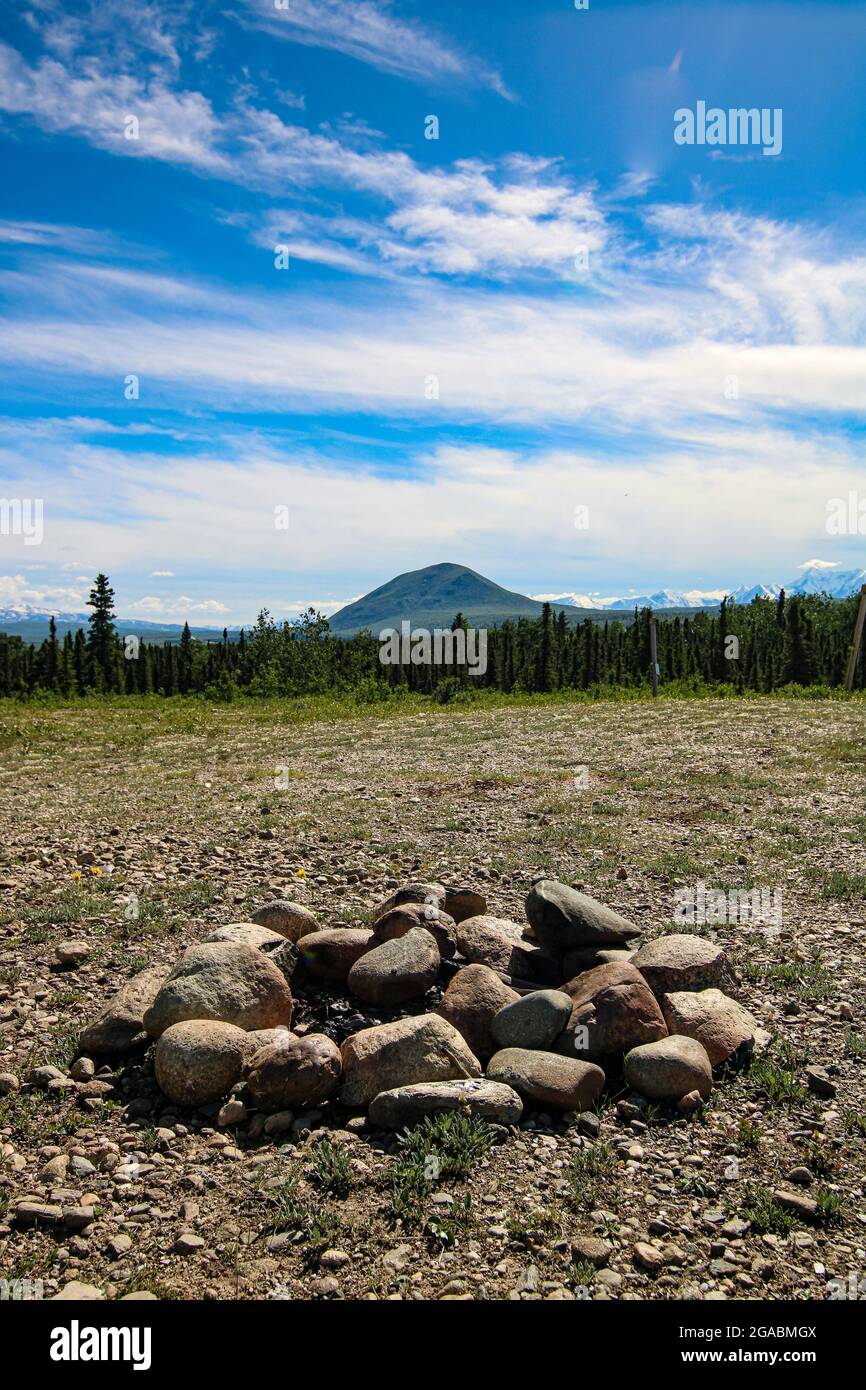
(802, 640)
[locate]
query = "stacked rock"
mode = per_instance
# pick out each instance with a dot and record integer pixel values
(538, 1014)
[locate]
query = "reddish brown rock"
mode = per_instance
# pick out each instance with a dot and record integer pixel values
(471, 1002)
(489, 941)
(613, 1010)
(294, 1072)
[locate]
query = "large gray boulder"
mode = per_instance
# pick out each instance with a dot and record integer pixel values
(249, 934)
(547, 1079)
(119, 1025)
(485, 1100)
(225, 981)
(198, 1061)
(680, 961)
(669, 1069)
(397, 970)
(533, 1020)
(423, 1048)
(563, 919)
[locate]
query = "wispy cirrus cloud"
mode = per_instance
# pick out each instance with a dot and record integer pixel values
(371, 31)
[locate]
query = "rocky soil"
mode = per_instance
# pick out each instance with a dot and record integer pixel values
(128, 840)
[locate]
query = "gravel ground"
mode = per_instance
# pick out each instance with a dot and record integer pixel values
(170, 815)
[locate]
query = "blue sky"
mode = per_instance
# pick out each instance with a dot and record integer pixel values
(553, 305)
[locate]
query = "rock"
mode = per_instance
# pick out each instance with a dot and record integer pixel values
(397, 970)
(44, 1077)
(224, 981)
(819, 1082)
(563, 919)
(489, 941)
(31, 1213)
(294, 1072)
(330, 954)
(198, 1061)
(280, 1123)
(258, 1038)
(535, 1020)
(334, 1259)
(669, 1069)
(72, 953)
(534, 965)
(187, 1243)
(414, 892)
(82, 1069)
(76, 1292)
(592, 1249)
(78, 1218)
(234, 1112)
(588, 957)
(803, 1207)
(690, 1103)
(249, 933)
(681, 962)
(718, 1022)
(486, 1100)
(801, 1176)
(647, 1257)
(119, 1026)
(400, 920)
(548, 1079)
(424, 1048)
(464, 902)
(8, 1083)
(118, 1245)
(287, 919)
(613, 1010)
(471, 1002)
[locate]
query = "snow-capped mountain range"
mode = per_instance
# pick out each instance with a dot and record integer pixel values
(815, 577)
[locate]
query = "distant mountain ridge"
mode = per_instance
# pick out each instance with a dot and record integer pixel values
(815, 578)
(431, 597)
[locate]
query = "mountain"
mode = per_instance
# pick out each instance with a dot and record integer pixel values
(819, 578)
(430, 598)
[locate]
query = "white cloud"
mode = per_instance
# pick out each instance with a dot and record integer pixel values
(153, 606)
(368, 31)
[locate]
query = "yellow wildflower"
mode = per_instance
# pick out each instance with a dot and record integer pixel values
(76, 877)
(96, 871)
(300, 873)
